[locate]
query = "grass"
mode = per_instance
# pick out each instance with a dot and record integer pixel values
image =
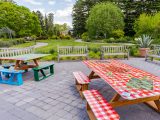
(52, 48)
(27, 44)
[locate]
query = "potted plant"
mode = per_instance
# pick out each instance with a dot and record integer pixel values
(144, 42)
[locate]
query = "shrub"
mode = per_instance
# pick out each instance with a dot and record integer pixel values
(118, 33)
(42, 38)
(54, 37)
(52, 51)
(148, 24)
(67, 37)
(104, 18)
(85, 37)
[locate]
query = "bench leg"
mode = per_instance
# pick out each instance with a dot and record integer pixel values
(51, 69)
(58, 58)
(19, 79)
(43, 73)
(36, 76)
(90, 113)
(83, 88)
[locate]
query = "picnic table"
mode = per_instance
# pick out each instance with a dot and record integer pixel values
(117, 75)
(25, 57)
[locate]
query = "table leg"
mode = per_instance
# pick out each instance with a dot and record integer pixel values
(116, 97)
(17, 64)
(154, 104)
(36, 62)
(93, 76)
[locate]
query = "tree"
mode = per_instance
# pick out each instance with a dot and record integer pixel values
(41, 21)
(5, 31)
(50, 24)
(12, 1)
(151, 26)
(79, 18)
(131, 9)
(19, 19)
(46, 24)
(104, 18)
(80, 14)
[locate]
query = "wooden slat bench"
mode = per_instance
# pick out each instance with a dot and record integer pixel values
(151, 54)
(41, 69)
(82, 82)
(114, 51)
(11, 74)
(10, 52)
(72, 51)
(98, 108)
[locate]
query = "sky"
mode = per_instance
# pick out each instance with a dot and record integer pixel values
(62, 9)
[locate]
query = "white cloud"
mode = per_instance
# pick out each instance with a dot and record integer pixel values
(68, 0)
(64, 13)
(33, 2)
(42, 10)
(51, 2)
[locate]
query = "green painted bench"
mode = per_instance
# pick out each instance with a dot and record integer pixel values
(41, 69)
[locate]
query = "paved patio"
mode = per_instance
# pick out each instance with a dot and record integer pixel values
(57, 99)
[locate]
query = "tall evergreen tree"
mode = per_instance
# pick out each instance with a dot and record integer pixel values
(79, 18)
(50, 24)
(46, 24)
(41, 20)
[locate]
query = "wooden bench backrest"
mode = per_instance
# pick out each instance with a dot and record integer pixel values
(69, 50)
(9, 52)
(155, 47)
(114, 49)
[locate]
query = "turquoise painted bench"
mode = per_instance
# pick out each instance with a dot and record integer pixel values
(41, 69)
(12, 74)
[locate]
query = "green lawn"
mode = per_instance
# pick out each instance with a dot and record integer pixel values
(52, 48)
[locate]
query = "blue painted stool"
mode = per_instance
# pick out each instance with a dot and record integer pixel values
(12, 74)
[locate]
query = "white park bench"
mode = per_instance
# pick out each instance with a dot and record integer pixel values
(9, 52)
(72, 51)
(115, 51)
(151, 54)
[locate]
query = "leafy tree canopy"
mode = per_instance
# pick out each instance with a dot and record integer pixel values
(19, 19)
(104, 19)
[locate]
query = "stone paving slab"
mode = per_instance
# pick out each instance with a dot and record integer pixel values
(56, 98)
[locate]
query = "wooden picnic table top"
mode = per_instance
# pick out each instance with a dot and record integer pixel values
(118, 74)
(25, 57)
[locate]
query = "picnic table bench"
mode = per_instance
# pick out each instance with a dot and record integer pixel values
(11, 74)
(82, 82)
(72, 51)
(114, 51)
(41, 68)
(98, 108)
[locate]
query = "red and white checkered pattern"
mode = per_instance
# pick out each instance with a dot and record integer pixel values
(81, 77)
(100, 107)
(117, 74)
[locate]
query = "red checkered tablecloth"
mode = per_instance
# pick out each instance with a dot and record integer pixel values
(100, 107)
(117, 74)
